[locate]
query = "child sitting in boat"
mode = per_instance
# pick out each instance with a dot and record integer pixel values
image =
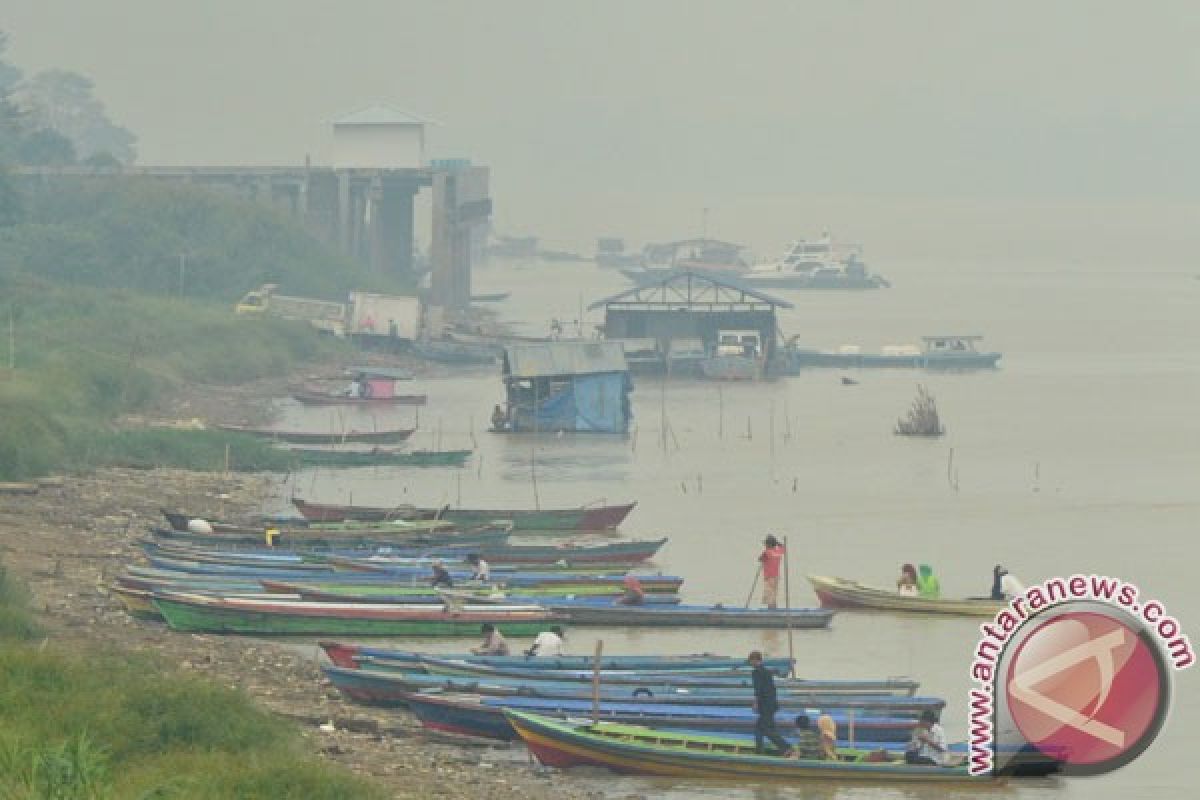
(927, 583)
(907, 583)
(494, 643)
(634, 594)
(928, 744)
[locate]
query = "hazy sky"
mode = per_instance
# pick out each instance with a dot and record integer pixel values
(633, 116)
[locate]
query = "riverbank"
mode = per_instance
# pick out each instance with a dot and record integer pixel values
(68, 541)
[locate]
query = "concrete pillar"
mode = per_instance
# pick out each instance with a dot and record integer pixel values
(377, 252)
(343, 210)
(396, 221)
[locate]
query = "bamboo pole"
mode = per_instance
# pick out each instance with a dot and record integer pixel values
(753, 586)
(533, 476)
(787, 602)
(720, 411)
(596, 680)
(12, 340)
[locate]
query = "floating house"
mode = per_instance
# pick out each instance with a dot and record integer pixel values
(686, 319)
(566, 386)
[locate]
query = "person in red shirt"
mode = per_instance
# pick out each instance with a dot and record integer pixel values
(771, 558)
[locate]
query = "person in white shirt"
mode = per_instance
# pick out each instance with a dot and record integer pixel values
(483, 572)
(494, 643)
(928, 744)
(548, 643)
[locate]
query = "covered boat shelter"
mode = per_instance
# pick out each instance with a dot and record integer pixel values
(567, 386)
(682, 314)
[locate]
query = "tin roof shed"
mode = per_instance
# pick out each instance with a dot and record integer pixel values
(563, 358)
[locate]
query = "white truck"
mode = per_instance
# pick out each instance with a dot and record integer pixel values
(366, 314)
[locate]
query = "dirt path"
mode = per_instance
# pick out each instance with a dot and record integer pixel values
(68, 542)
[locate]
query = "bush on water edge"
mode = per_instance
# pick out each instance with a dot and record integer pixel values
(15, 619)
(113, 725)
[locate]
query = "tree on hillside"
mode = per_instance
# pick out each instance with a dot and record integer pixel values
(10, 201)
(65, 101)
(11, 127)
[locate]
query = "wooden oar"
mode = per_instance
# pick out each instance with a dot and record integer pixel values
(753, 586)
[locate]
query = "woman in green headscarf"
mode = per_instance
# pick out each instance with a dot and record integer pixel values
(927, 583)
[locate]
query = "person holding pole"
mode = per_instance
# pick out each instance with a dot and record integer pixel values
(765, 705)
(770, 560)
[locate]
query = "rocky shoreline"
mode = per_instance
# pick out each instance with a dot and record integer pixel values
(70, 539)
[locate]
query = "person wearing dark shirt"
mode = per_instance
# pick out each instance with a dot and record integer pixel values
(765, 704)
(808, 741)
(441, 576)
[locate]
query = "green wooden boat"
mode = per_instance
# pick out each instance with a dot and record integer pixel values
(381, 457)
(637, 750)
(195, 613)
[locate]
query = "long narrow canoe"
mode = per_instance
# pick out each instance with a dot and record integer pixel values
(844, 594)
(439, 666)
(696, 616)
(386, 687)
(416, 594)
(612, 553)
(320, 437)
(314, 398)
(303, 539)
(235, 615)
(343, 655)
(643, 751)
(381, 457)
(584, 518)
(484, 716)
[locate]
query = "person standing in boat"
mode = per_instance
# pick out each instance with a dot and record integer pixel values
(771, 559)
(766, 703)
(499, 418)
(494, 643)
(907, 583)
(548, 644)
(1004, 585)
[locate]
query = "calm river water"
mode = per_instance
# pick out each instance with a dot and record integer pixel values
(1080, 454)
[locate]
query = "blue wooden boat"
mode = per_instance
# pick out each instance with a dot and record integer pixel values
(698, 616)
(343, 655)
(484, 716)
(387, 687)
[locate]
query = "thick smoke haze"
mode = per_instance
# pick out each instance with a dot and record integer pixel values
(924, 129)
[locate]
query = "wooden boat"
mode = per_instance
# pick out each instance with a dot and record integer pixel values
(644, 751)
(318, 437)
(490, 297)
(584, 518)
(483, 595)
(439, 666)
(448, 352)
(386, 685)
(843, 594)
(314, 398)
(381, 457)
(473, 715)
(696, 616)
(343, 656)
(633, 552)
(184, 612)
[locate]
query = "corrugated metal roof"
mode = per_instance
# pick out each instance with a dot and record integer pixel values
(379, 115)
(564, 358)
(691, 283)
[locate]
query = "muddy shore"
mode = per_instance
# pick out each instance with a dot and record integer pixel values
(68, 541)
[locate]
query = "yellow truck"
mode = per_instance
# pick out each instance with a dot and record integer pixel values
(324, 315)
(365, 315)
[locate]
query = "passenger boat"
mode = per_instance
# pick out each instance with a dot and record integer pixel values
(644, 751)
(311, 397)
(696, 616)
(185, 612)
(319, 437)
(844, 594)
(343, 656)
(472, 715)
(380, 457)
(815, 264)
(584, 518)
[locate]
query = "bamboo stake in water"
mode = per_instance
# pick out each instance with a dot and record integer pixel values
(720, 411)
(787, 602)
(533, 476)
(12, 341)
(596, 680)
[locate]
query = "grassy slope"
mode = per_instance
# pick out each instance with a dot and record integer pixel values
(114, 725)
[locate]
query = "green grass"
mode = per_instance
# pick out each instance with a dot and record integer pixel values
(112, 725)
(183, 449)
(15, 620)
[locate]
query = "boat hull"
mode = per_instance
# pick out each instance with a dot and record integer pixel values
(321, 399)
(843, 594)
(700, 617)
(593, 518)
(314, 437)
(367, 458)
